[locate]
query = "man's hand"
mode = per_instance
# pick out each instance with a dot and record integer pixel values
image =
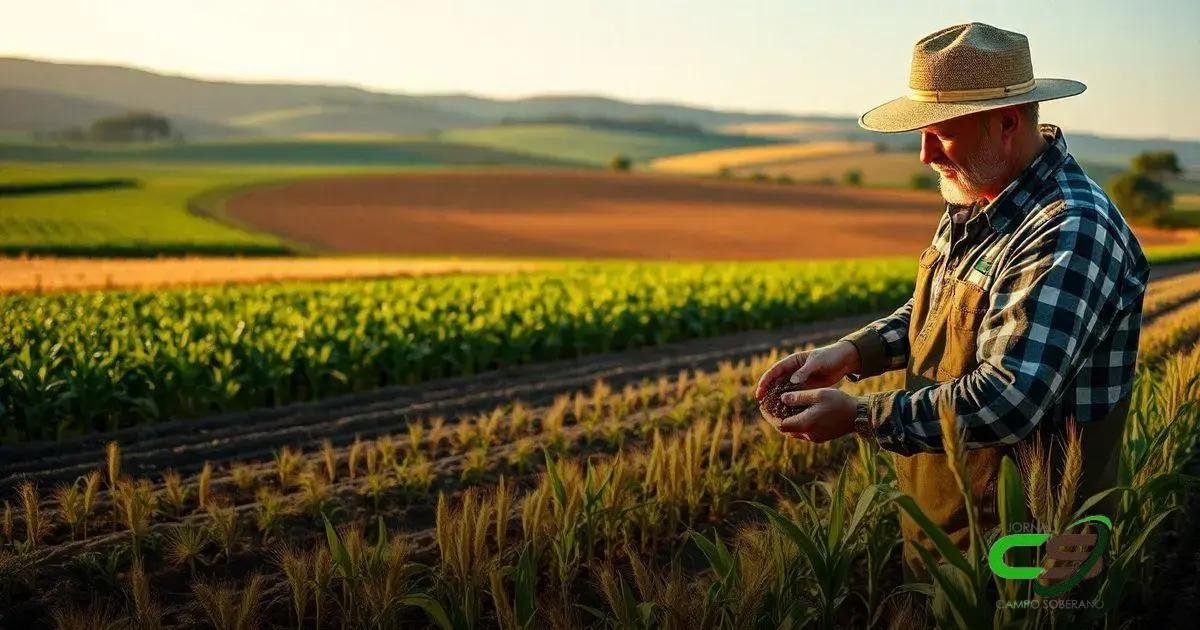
(820, 367)
(830, 417)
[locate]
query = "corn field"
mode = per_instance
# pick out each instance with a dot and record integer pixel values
(75, 363)
(664, 503)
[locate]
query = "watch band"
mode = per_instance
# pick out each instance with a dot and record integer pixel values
(862, 420)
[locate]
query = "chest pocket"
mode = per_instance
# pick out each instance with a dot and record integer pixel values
(964, 310)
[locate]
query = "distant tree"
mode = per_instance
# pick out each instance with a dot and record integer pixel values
(1141, 196)
(1157, 164)
(923, 181)
(784, 179)
(131, 127)
(620, 162)
(879, 146)
(760, 176)
(724, 171)
(852, 177)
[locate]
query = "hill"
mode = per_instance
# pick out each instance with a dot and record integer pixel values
(588, 145)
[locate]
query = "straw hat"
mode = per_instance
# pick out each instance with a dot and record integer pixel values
(964, 69)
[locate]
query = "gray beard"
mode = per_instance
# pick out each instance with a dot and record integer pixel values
(983, 171)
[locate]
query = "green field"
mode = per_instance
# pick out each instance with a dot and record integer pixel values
(78, 362)
(294, 152)
(592, 146)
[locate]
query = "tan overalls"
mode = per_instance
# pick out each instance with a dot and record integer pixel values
(942, 338)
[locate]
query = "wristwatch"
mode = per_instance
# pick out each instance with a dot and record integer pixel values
(862, 420)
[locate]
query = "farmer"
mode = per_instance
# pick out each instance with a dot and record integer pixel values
(1027, 308)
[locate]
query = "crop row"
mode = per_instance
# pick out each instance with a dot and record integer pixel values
(75, 363)
(609, 541)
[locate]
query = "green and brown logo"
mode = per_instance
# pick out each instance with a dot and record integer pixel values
(1073, 557)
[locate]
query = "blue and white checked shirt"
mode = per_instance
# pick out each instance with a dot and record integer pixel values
(1065, 279)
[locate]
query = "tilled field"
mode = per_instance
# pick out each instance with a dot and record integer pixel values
(169, 511)
(594, 214)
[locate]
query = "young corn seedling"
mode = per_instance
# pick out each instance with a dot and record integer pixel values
(203, 484)
(185, 545)
(147, 613)
(414, 476)
(223, 528)
(474, 466)
(329, 459)
(112, 453)
(386, 446)
(375, 485)
(6, 521)
(136, 502)
(287, 466)
(315, 494)
(35, 526)
(69, 498)
(520, 612)
(352, 458)
(175, 493)
(243, 477)
(827, 542)
(298, 573)
(414, 438)
(228, 606)
(269, 510)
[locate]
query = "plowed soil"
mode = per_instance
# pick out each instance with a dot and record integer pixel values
(596, 214)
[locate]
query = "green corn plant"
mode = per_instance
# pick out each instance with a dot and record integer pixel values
(828, 543)
(578, 511)
(520, 612)
(378, 581)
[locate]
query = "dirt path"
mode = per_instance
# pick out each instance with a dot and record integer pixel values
(186, 444)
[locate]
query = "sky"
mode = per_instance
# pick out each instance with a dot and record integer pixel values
(1138, 58)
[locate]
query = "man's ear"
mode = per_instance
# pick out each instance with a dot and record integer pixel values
(1010, 121)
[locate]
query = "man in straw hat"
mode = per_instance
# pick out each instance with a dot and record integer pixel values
(1027, 306)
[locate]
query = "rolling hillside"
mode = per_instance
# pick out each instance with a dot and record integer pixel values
(580, 143)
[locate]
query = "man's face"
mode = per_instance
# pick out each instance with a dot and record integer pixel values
(967, 154)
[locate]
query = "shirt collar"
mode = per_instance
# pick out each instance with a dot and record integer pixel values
(1012, 201)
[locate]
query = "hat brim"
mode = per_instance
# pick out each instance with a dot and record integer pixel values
(904, 114)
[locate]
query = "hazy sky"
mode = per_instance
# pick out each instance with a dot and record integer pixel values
(1139, 59)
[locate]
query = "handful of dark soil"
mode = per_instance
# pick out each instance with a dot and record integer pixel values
(772, 407)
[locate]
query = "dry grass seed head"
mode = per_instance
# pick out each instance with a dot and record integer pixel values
(35, 526)
(112, 455)
(224, 608)
(203, 484)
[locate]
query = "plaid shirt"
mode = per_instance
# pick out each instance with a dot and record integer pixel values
(1065, 279)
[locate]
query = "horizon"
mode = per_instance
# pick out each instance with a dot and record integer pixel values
(1142, 82)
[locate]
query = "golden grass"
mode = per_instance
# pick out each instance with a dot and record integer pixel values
(23, 275)
(710, 162)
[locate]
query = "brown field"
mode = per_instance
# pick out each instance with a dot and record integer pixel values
(596, 214)
(18, 275)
